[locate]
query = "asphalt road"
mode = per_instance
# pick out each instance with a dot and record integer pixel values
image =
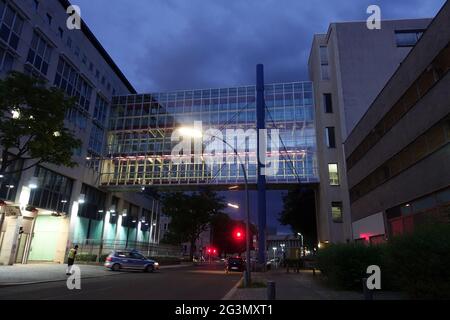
(208, 282)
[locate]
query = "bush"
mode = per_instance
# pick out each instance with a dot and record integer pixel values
(419, 263)
(86, 257)
(344, 265)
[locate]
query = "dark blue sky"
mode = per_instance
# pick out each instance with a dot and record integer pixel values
(183, 44)
(163, 45)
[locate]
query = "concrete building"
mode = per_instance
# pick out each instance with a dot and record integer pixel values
(349, 65)
(398, 154)
(66, 205)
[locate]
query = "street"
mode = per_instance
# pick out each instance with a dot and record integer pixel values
(207, 282)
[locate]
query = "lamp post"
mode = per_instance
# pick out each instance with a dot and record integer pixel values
(302, 253)
(198, 134)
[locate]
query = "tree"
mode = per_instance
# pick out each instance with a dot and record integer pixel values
(190, 215)
(32, 124)
(299, 212)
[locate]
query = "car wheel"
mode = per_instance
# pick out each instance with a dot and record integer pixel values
(150, 269)
(115, 267)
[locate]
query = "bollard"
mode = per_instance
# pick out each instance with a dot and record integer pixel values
(368, 294)
(271, 290)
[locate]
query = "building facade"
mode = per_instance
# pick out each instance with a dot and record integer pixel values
(66, 204)
(349, 65)
(398, 155)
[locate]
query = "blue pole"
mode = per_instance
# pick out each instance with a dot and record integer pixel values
(261, 124)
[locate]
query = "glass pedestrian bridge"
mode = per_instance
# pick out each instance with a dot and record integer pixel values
(146, 131)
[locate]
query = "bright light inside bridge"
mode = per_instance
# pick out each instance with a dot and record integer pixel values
(190, 132)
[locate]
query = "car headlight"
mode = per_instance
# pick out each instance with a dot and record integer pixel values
(156, 264)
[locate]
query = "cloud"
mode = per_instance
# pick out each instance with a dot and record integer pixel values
(177, 44)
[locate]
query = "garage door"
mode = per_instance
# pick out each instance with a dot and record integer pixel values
(46, 234)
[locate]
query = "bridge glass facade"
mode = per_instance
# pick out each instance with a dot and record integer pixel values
(139, 143)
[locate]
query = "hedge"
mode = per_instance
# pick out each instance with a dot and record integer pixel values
(417, 263)
(344, 265)
(86, 257)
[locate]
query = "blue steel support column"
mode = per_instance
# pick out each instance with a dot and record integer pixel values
(261, 124)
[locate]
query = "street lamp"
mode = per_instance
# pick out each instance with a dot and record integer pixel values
(302, 248)
(232, 205)
(195, 133)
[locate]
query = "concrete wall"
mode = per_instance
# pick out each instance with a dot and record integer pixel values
(360, 62)
(429, 174)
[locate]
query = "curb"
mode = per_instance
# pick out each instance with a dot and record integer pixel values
(233, 290)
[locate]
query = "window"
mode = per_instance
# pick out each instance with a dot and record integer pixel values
(96, 138)
(324, 69)
(69, 42)
(36, 5)
(11, 25)
(94, 202)
(328, 103)
(39, 54)
(61, 32)
(83, 92)
(333, 174)
(77, 51)
(49, 19)
(91, 66)
(407, 38)
(68, 80)
(336, 212)
(84, 59)
(100, 110)
(66, 77)
(330, 138)
(6, 61)
(53, 191)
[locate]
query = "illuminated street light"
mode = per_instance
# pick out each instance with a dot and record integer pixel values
(232, 205)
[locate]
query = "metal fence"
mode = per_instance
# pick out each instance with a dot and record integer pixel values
(99, 248)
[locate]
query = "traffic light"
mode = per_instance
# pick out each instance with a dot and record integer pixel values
(238, 234)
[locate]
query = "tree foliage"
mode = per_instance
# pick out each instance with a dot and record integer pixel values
(190, 215)
(32, 123)
(299, 212)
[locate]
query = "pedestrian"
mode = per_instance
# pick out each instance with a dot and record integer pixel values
(71, 259)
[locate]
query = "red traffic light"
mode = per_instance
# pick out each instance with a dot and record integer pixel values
(238, 234)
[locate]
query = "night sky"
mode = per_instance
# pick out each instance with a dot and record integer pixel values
(163, 45)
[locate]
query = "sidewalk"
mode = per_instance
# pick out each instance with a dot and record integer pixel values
(21, 274)
(301, 286)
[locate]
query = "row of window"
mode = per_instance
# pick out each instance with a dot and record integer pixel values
(427, 79)
(40, 53)
(77, 50)
(11, 24)
(432, 140)
(53, 192)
